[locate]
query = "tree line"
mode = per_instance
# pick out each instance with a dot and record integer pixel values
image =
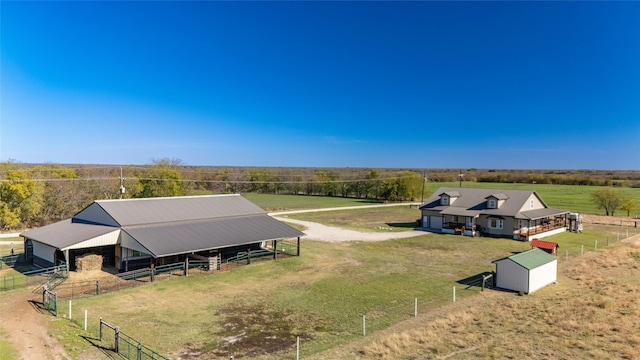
(38, 194)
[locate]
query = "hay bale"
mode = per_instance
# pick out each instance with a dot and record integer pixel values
(89, 262)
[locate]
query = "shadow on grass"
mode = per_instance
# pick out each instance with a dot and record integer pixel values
(38, 306)
(476, 280)
(107, 352)
(408, 225)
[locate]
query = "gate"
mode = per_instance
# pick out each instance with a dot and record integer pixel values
(124, 345)
(50, 301)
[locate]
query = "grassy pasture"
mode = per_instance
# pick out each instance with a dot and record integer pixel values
(390, 219)
(271, 202)
(320, 296)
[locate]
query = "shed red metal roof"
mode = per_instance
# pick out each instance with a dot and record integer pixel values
(540, 244)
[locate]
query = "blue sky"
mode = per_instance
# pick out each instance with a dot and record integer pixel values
(508, 85)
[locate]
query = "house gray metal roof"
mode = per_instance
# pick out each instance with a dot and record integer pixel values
(475, 199)
(540, 213)
(168, 226)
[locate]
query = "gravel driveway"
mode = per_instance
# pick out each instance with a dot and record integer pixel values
(316, 231)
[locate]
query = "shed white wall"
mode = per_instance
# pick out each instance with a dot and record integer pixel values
(44, 251)
(511, 276)
(543, 276)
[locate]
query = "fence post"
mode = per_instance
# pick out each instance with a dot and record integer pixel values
(454, 294)
(85, 320)
(248, 256)
(153, 271)
(364, 325)
(415, 308)
(139, 351)
(117, 340)
(70, 309)
(100, 329)
(97, 287)
(186, 266)
(297, 347)
(596, 246)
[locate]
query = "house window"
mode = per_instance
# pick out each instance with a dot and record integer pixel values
(495, 223)
(492, 203)
(445, 200)
(531, 203)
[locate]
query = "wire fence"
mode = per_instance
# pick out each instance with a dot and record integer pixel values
(124, 345)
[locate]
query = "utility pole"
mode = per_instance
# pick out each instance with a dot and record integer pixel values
(424, 180)
(460, 176)
(122, 179)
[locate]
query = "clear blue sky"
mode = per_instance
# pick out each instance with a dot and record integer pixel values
(539, 85)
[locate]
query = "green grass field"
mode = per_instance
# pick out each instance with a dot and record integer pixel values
(320, 296)
(257, 311)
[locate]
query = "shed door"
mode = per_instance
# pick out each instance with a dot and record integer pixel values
(436, 222)
(425, 221)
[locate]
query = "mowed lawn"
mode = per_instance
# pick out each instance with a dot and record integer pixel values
(320, 296)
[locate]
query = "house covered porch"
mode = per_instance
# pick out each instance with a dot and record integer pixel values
(540, 223)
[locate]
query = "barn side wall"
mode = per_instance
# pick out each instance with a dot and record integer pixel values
(43, 255)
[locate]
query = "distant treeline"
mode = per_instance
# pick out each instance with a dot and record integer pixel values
(38, 194)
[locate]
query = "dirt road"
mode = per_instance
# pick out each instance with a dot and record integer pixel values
(24, 324)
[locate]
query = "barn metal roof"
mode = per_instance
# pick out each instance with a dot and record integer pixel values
(191, 236)
(530, 259)
(168, 226)
(170, 209)
(66, 233)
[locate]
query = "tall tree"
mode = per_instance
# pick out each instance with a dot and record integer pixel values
(628, 204)
(163, 180)
(607, 199)
(21, 196)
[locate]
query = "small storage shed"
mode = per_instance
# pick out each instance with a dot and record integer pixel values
(526, 271)
(547, 246)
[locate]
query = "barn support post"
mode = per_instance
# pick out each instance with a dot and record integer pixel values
(186, 266)
(298, 251)
(248, 256)
(153, 271)
(275, 249)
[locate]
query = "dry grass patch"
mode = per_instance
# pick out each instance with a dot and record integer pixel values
(591, 314)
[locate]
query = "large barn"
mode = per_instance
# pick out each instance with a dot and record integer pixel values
(134, 233)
